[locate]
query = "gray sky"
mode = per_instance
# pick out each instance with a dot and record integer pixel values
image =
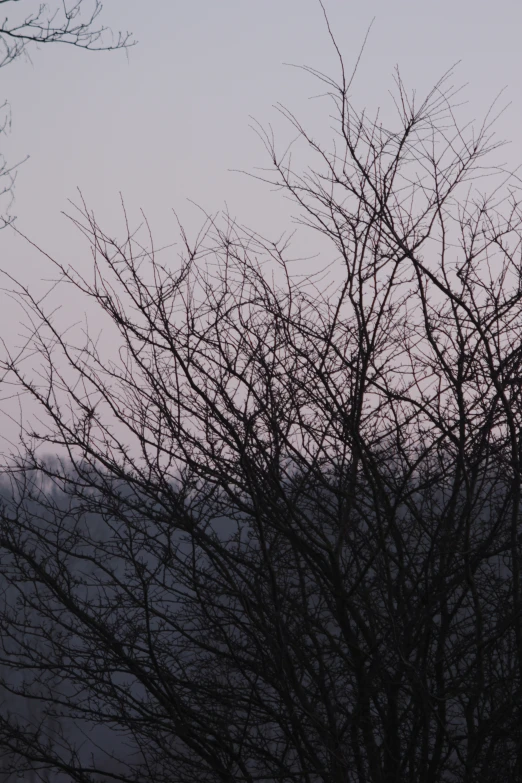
(167, 122)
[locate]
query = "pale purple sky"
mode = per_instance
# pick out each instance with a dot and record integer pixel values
(168, 121)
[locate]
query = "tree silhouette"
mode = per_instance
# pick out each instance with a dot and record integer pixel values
(282, 540)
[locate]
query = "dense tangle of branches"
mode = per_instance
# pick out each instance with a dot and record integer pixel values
(282, 542)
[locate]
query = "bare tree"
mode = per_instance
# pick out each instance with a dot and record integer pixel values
(26, 25)
(306, 558)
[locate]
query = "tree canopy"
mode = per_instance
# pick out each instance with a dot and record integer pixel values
(280, 540)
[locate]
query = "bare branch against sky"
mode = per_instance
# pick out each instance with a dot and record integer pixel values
(25, 26)
(260, 519)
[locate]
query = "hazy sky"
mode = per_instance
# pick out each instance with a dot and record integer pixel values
(169, 120)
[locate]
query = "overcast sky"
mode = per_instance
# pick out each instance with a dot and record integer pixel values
(169, 120)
